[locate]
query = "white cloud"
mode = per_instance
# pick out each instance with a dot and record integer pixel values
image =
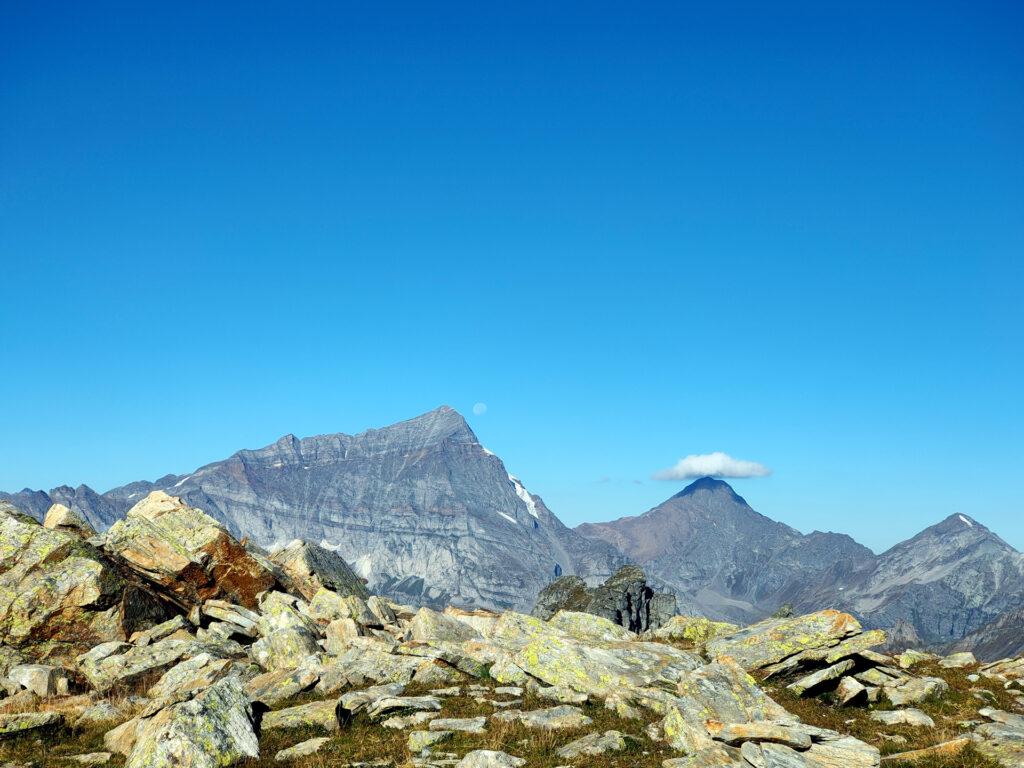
(480, 409)
(715, 464)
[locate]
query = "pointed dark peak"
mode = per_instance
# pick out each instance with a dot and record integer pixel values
(710, 485)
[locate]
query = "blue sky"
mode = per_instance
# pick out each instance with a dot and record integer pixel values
(636, 232)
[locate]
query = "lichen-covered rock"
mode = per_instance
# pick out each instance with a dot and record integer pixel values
(272, 688)
(367, 665)
(59, 595)
(189, 677)
(769, 642)
(187, 553)
(316, 714)
(288, 635)
(310, 567)
(590, 667)
(550, 719)
(115, 663)
(588, 627)
(18, 724)
(735, 734)
(914, 690)
(429, 626)
(420, 740)
(212, 730)
(693, 629)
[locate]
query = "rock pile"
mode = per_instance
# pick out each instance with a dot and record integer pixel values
(625, 599)
(238, 648)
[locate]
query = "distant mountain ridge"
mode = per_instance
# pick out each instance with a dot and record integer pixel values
(423, 511)
(725, 560)
(429, 516)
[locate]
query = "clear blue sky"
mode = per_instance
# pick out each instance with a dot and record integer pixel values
(635, 231)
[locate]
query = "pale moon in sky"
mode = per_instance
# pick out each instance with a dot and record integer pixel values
(480, 409)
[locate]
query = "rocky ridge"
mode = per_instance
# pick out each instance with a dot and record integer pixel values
(246, 658)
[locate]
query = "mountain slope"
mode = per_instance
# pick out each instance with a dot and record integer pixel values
(420, 508)
(724, 559)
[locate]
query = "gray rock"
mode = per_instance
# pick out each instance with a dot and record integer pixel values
(551, 719)
(913, 717)
(486, 758)
(302, 749)
(593, 745)
(421, 740)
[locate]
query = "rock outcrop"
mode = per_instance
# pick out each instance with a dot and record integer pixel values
(625, 599)
(187, 553)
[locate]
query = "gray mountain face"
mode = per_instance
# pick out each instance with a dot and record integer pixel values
(999, 639)
(727, 561)
(947, 581)
(420, 508)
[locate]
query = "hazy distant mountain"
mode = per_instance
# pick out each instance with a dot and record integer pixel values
(420, 508)
(726, 560)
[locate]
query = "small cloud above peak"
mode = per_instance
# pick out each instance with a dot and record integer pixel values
(717, 464)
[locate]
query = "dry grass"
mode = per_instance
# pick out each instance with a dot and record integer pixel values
(957, 706)
(366, 741)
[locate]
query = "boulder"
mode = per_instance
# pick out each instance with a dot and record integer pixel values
(310, 567)
(42, 679)
(59, 517)
(59, 595)
(272, 688)
(115, 663)
(288, 635)
(187, 553)
(213, 729)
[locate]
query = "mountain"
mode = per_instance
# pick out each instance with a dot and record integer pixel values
(727, 561)
(424, 512)
(947, 581)
(721, 557)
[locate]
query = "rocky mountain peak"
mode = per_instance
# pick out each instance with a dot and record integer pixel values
(712, 486)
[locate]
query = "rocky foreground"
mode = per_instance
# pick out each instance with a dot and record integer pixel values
(166, 642)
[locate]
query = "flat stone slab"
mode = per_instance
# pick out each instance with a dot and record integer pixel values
(553, 718)
(302, 749)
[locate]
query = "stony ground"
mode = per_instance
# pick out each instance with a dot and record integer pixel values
(167, 643)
